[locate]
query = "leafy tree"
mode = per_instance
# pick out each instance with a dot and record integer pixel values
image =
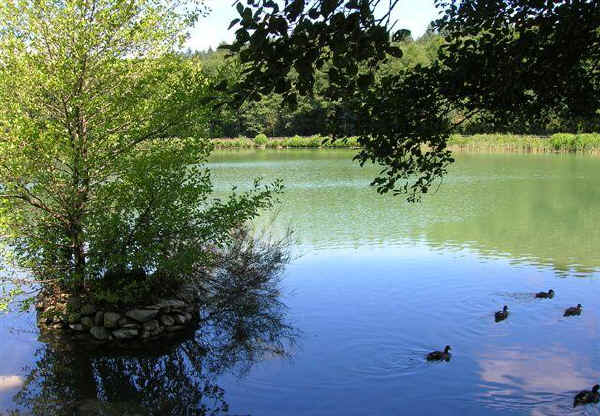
(518, 60)
(523, 61)
(90, 187)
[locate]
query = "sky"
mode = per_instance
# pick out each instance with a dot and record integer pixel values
(211, 31)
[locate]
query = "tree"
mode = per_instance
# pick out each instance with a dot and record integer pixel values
(93, 183)
(243, 325)
(523, 59)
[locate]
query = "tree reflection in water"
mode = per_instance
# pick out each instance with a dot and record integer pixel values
(247, 326)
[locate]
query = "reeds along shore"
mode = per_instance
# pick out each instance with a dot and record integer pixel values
(588, 143)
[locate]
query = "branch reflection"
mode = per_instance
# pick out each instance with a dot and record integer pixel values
(177, 377)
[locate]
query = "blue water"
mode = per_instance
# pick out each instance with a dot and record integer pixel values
(375, 284)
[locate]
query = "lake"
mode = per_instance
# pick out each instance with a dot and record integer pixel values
(375, 284)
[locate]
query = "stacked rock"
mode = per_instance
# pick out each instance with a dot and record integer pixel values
(72, 315)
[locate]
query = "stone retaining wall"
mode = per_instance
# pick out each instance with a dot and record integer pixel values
(83, 320)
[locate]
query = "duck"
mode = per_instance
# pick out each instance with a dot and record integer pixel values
(586, 396)
(575, 310)
(501, 315)
(545, 295)
(440, 355)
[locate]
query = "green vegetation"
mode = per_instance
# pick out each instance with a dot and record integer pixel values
(103, 184)
(501, 66)
(260, 140)
(102, 190)
(576, 142)
(559, 142)
(312, 115)
(284, 142)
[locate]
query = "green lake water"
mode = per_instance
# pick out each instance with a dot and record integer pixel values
(540, 209)
(374, 285)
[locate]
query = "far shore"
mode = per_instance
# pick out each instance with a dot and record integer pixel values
(587, 143)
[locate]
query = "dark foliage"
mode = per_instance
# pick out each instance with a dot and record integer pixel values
(522, 58)
(515, 63)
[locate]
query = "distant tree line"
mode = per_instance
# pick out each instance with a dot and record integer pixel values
(314, 114)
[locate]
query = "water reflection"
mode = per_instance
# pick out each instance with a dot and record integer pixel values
(178, 377)
(382, 284)
(532, 209)
(541, 378)
(10, 382)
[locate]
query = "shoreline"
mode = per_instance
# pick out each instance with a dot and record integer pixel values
(560, 143)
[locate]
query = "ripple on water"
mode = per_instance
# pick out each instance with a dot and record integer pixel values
(380, 360)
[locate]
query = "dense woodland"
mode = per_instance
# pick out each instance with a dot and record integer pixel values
(271, 117)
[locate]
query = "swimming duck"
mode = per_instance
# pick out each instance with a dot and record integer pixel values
(501, 315)
(440, 355)
(545, 295)
(576, 310)
(585, 396)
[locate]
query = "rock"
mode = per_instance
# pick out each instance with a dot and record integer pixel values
(180, 319)
(154, 332)
(175, 328)
(57, 326)
(87, 309)
(87, 321)
(168, 304)
(125, 333)
(142, 315)
(111, 319)
(188, 316)
(99, 332)
(99, 318)
(77, 327)
(151, 326)
(167, 320)
(127, 323)
(175, 303)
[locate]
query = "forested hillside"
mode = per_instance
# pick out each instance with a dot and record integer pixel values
(270, 117)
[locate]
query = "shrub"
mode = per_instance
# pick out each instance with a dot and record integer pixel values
(589, 141)
(562, 141)
(261, 140)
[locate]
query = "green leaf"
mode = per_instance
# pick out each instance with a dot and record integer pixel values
(233, 23)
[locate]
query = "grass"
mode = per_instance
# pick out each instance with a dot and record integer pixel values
(557, 143)
(283, 142)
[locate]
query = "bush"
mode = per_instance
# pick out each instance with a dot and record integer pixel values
(562, 141)
(589, 141)
(576, 142)
(261, 140)
(154, 217)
